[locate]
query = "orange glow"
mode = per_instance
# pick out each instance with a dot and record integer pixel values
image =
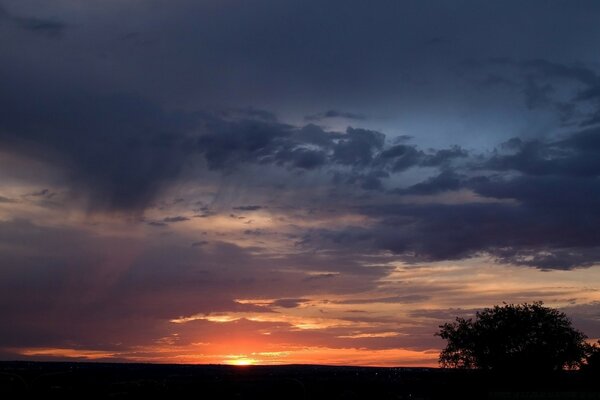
(240, 361)
(279, 356)
(65, 353)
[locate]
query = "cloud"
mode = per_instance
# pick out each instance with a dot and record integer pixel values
(357, 146)
(42, 26)
(575, 155)
(335, 114)
(42, 193)
(138, 150)
(511, 233)
(314, 277)
(444, 156)
(116, 150)
(572, 91)
(288, 303)
(158, 224)
(305, 159)
(447, 180)
(533, 203)
(248, 208)
(177, 218)
(413, 298)
(228, 143)
(401, 157)
(114, 280)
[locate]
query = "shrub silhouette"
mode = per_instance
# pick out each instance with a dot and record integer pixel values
(593, 358)
(513, 337)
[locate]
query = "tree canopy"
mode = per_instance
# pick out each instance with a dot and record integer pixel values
(523, 336)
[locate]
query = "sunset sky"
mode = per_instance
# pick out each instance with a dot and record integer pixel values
(292, 181)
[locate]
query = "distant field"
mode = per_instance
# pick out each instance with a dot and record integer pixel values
(124, 381)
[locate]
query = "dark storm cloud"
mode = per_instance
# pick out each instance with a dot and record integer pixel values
(123, 150)
(305, 159)
(229, 143)
(123, 126)
(444, 156)
(446, 181)
(119, 149)
(401, 157)
(552, 238)
(543, 210)
(232, 142)
(356, 148)
(576, 155)
(545, 216)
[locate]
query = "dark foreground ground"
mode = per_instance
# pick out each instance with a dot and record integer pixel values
(125, 381)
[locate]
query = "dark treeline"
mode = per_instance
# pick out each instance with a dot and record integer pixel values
(126, 381)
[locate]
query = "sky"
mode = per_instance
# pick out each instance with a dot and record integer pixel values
(284, 181)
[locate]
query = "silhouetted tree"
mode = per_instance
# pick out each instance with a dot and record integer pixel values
(524, 336)
(592, 362)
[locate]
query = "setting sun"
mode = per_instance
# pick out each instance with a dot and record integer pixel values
(241, 362)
